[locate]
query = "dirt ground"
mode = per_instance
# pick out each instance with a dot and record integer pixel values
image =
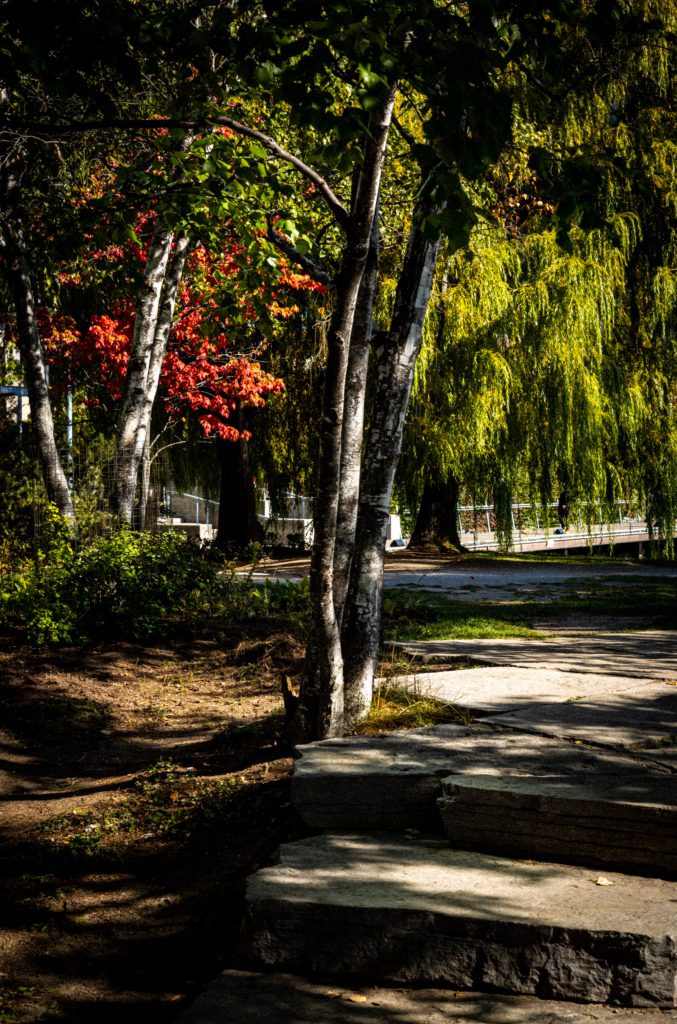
(140, 786)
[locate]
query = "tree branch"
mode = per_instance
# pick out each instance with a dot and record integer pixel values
(292, 253)
(47, 130)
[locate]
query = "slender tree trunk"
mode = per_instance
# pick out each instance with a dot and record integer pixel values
(396, 362)
(20, 280)
(238, 525)
(144, 486)
(154, 318)
(353, 425)
(437, 519)
(320, 708)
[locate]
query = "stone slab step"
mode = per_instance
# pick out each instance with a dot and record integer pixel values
(618, 820)
(415, 911)
(393, 781)
(251, 997)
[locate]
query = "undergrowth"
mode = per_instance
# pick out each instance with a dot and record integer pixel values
(124, 585)
(166, 802)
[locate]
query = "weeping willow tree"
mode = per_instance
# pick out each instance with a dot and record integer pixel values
(548, 362)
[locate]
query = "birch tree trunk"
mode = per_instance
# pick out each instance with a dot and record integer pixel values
(20, 280)
(396, 362)
(154, 318)
(353, 424)
(320, 708)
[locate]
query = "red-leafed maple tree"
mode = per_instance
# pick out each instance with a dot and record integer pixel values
(211, 370)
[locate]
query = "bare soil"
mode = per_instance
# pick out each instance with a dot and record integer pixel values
(140, 786)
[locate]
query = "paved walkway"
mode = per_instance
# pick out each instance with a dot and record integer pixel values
(478, 580)
(647, 654)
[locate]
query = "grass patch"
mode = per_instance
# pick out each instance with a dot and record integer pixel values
(625, 598)
(413, 615)
(395, 708)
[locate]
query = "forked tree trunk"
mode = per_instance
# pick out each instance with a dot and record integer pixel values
(154, 317)
(320, 708)
(437, 519)
(20, 280)
(396, 362)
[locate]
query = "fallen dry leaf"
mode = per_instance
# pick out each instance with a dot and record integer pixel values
(602, 881)
(355, 997)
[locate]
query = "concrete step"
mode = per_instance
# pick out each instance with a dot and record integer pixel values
(247, 997)
(627, 821)
(415, 911)
(393, 781)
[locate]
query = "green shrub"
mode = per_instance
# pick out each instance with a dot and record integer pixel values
(126, 584)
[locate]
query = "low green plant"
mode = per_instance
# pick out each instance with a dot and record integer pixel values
(420, 615)
(283, 596)
(166, 801)
(125, 584)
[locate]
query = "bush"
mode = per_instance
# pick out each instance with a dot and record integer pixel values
(128, 585)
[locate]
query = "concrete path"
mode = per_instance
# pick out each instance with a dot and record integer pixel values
(490, 580)
(649, 654)
(497, 689)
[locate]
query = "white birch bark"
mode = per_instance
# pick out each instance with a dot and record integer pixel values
(320, 708)
(396, 362)
(353, 425)
(20, 280)
(153, 324)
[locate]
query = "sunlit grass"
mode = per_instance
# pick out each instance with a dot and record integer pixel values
(420, 615)
(396, 708)
(412, 615)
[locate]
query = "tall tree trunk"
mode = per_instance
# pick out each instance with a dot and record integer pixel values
(154, 318)
(20, 280)
(353, 424)
(238, 525)
(396, 362)
(320, 708)
(144, 485)
(437, 519)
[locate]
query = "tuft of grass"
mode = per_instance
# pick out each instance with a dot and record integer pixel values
(394, 707)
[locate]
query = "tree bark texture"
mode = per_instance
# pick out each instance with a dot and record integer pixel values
(20, 280)
(437, 519)
(154, 317)
(320, 708)
(396, 362)
(353, 424)
(238, 525)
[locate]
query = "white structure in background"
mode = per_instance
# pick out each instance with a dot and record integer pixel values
(14, 395)
(293, 529)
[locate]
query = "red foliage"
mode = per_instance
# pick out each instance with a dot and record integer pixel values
(201, 374)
